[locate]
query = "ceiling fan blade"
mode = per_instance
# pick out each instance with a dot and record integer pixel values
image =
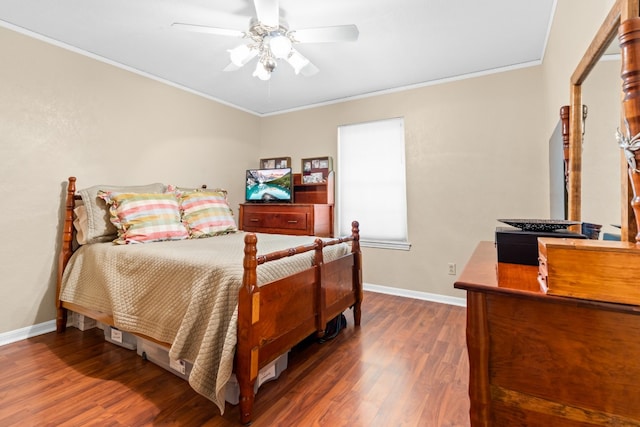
(309, 70)
(340, 33)
(208, 30)
(231, 67)
(268, 12)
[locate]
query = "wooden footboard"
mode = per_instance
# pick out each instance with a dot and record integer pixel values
(276, 316)
(272, 318)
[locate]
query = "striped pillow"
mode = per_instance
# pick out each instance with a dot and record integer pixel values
(206, 213)
(145, 217)
(99, 227)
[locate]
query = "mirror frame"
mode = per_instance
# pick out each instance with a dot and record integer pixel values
(620, 11)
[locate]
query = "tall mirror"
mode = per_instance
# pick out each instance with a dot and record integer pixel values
(591, 64)
(601, 198)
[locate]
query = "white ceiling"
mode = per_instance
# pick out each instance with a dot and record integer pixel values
(402, 43)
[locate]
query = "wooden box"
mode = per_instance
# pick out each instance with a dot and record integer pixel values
(590, 269)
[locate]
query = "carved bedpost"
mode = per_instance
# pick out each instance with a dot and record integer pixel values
(66, 251)
(321, 317)
(357, 272)
(248, 314)
(564, 119)
(629, 138)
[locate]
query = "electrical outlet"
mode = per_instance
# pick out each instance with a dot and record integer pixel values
(452, 268)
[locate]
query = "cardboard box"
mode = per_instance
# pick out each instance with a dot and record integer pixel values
(521, 247)
(591, 269)
(118, 337)
(80, 321)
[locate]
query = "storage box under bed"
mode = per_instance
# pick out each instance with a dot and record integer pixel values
(159, 355)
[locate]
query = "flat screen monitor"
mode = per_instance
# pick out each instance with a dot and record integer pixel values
(269, 185)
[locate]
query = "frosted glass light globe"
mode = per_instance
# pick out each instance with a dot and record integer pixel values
(261, 72)
(241, 55)
(280, 46)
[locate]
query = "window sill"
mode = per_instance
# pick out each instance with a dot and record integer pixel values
(401, 246)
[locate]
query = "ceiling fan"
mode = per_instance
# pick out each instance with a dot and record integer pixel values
(270, 39)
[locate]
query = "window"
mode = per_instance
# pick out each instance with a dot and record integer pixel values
(372, 183)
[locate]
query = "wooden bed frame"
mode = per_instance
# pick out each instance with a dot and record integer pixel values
(268, 325)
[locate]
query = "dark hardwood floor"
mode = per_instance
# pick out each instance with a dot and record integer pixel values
(405, 366)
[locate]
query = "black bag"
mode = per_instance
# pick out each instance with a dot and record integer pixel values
(333, 328)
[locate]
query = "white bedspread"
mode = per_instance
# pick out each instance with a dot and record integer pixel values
(181, 292)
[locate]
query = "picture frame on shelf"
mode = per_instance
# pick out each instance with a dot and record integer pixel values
(275, 163)
(315, 170)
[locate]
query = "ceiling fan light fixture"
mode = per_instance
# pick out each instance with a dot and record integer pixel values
(280, 45)
(241, 55)
(271, 40)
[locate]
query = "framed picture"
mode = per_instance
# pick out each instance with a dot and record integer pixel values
(275, 163)
(316, 170)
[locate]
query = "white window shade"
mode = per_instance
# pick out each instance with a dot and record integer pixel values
(372, 182)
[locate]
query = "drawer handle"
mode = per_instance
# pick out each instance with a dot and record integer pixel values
(292, 221)
(254, 220)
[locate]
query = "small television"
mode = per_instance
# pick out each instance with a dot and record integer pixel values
(269, 186)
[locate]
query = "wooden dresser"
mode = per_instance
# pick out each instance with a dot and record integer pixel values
(286, 218)
(543, 360)
(311, 213)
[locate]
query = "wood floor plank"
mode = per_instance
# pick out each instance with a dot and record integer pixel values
(405, 366)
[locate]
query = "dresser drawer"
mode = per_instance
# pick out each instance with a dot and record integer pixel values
(302, 219)
(283, 220)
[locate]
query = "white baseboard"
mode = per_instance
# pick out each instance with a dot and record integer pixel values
(50, 326)
(28, 332)
(426, 296)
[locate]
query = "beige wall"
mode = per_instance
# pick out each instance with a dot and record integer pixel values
(575, 24)
(468, 163)
(476, 151)
(65, 114)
